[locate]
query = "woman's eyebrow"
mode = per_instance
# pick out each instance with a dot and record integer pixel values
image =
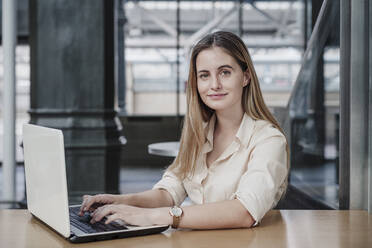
(202, 71)
(222, 66)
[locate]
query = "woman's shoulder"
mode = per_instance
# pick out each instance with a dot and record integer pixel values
(264, 129)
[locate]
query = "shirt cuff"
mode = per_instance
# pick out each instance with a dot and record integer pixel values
(248, 202)
(176, 199)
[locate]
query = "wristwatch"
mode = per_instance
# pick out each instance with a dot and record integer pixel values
(176, 213)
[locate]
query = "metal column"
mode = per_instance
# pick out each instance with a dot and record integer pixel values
(370, 114)
(178, 27)
(240, 18)
(121, 78)
(9, 45)
(344, 177)
(359, 81)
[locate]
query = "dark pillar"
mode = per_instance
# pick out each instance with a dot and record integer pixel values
(316, 110)
(240, 18)
(345, 88)
(72, 88)
(307, 27)
(120, 54)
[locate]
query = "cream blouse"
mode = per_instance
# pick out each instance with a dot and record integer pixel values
(252, 169)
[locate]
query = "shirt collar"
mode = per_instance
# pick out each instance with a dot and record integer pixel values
(243, 134)
(210, 129)
(245, 130)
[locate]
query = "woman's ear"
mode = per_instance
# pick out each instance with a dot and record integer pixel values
(246, 78)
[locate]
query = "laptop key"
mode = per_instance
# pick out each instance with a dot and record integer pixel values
(83, 223)
(82, 226)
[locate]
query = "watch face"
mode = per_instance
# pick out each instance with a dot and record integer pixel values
(176, 211)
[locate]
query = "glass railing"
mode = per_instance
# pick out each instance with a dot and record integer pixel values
(311, 121)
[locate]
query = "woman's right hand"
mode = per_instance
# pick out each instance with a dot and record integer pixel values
(91, 202)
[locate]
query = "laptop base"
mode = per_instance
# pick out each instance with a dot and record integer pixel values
(110, 236)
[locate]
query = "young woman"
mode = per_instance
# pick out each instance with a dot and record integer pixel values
(233, 157)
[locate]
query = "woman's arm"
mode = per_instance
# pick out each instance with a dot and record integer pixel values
(154, 198)
(168, 191)
(226, 214)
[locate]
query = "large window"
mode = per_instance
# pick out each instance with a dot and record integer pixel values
(273, 32)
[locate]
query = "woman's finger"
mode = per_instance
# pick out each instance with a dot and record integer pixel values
(93, 202)
(95, 213)
(83, 204)
(103, 211)
(90, 200)
(111, 218)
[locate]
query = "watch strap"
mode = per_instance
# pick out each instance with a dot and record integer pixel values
(176, 221)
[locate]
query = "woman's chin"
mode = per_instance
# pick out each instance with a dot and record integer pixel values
(223, 106)
(218, 107)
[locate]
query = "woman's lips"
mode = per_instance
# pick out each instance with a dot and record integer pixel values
(217, 96)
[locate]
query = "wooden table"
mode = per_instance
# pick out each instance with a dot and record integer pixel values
(284, 228)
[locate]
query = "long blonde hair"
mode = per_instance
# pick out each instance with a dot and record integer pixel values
(193, 134)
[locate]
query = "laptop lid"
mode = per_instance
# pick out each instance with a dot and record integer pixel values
(45, 172)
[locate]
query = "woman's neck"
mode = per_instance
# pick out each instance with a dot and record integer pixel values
(228, 121)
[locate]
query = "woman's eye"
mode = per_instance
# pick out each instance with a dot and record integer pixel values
(203, 76)
(225, 73)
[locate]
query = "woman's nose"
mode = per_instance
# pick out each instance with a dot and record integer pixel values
(215, 84)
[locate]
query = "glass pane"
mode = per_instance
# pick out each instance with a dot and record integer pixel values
(314, 114)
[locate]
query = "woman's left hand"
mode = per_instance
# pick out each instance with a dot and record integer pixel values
(132, 215)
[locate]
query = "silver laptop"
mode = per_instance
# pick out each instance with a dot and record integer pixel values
(47, 197)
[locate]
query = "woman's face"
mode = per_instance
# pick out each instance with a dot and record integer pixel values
(220, 80)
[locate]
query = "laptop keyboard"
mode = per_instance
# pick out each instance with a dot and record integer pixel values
(83, 223)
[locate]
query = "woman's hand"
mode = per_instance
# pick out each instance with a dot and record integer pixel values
(92, 202)
(132, 215)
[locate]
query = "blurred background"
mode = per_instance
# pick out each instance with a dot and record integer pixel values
(112, 75)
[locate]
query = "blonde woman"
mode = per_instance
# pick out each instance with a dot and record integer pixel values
(233, 158)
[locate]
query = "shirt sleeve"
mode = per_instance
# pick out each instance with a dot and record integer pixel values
(173, 185)
(266, 174)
